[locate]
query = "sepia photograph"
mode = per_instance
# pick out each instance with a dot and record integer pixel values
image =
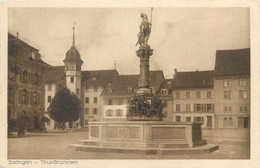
(128, 83)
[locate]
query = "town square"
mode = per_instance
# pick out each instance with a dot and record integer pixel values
(129, 83)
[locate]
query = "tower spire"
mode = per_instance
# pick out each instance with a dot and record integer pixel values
(73, 42)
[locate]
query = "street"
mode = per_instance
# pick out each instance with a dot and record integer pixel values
(233, 144)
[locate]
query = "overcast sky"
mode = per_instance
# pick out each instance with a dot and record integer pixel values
(182, 38)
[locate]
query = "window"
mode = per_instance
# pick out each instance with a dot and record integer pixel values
(177, 95)
(187, 107)
(199, 119)
(95, 111)
(187, 119)
(243, 94)
(178, 118)
(95, 99)
(209, 94)
(49, 99)
(178, 107)
(227, 82)
(77, 91)
(86, 100)
(25, 76)
(95, 88)
(198, 107)
(227, 94)
(210, 107)
(33, 55)
(71, 79)
(228, 121)
(24, 96)
(198, 94)
(35, 97)
(164, 92)
(227, 109)
(49, 87)
(109, 90)
(242, 82)
(109, 102)
(109, 113)
(130, 90)
(86, 122)
(36, 79)
(187, 95)
(86, 88)
(119, 113)
(243, 109)
(86, 111)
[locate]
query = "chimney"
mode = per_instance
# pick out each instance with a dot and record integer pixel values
(175, 73)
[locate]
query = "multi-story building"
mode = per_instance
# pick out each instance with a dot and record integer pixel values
(87, 85)
(193, 97)
(25, 82)
(93, 83)
(123, 87)
(165, 94)
(232, 88)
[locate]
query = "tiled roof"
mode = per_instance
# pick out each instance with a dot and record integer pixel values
(232, 62)
(13, 38)
(194, 79)
(98, 76)
(56, 73)
(167, 84)
(121, 84)
(18, 48)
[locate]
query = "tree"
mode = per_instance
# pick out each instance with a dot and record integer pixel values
(141, 106)
(65, 107)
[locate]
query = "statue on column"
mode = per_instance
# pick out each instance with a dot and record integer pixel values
(145, 30)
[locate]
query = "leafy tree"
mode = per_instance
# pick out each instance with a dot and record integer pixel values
(141, 106)
(65, 107)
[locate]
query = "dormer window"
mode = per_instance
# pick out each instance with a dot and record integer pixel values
(164, 92)
(33, 55)
(110, 90)
(130, 90)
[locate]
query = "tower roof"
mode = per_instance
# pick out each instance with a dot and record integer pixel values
(73, 54)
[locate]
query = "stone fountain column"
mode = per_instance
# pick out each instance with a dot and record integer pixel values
(144, 54)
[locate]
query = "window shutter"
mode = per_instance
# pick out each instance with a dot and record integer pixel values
(32, 78)
(31, 98)
(38, 98)
(27, 97)
(20, 96)
(29, 78)
(39, 79)
(21, 77)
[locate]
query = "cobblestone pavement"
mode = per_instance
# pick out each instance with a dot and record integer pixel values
(233, 144)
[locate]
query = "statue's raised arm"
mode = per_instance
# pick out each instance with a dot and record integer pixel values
(145, 30)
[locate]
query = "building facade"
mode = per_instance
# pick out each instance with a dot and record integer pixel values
(116, 96)
(193, 97)
(232, 88)
(25, 82)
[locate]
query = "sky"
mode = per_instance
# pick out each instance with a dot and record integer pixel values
(182, 38)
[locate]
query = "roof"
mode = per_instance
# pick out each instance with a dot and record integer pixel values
(55, 74)
(98, 76)
(18, 48)
(13, 38)
(232, 62)
(121, 84)
(193, 79)
(167, 84)
(73, 55)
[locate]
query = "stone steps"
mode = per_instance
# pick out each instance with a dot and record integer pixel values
(208, 148)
